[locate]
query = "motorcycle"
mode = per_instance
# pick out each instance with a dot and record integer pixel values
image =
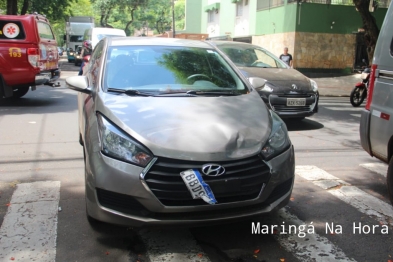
(359, 93)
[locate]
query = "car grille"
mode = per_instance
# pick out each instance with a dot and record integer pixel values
(242, 181)
(287, 109)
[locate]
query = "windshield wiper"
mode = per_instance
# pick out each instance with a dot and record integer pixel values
(129, 92)
(212, 93)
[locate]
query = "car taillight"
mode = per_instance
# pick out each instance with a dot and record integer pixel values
(33, 56)
(371, 86)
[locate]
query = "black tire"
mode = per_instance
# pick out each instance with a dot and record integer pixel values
(389, 180)
(20, 91)
(357, 96)
(69, 60)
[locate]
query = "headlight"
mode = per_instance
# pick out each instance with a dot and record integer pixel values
(267, 88)
(71, 53)
(115, 143)
(278, 140)
(314, 85)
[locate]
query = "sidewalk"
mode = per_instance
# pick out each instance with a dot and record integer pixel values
(336, 86)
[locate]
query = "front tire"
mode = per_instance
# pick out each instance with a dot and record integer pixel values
(357, 96)
(389, 180)
(20, 91)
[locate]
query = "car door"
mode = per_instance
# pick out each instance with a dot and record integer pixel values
(381, 121)
(48, 46)
(86, 103)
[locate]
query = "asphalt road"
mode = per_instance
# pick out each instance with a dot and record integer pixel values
(337, 187)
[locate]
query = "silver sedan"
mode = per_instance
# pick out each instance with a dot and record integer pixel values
(173, 134)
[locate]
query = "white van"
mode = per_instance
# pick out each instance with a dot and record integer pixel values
(97, 33)
(376, 125)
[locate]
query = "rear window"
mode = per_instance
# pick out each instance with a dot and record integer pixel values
(11, 30)
(45, 31)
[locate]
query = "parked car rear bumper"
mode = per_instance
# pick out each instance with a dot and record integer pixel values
(365, 131)
(47, 77)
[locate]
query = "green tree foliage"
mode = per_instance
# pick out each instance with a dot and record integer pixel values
(54, 9)
(110, 11)
(139, 14)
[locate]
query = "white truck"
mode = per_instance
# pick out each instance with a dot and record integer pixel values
(75, 30)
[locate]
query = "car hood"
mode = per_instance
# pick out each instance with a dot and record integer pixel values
(281, 79)
(192, 128)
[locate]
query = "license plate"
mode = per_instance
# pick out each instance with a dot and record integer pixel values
(197, 187)
(296, 101)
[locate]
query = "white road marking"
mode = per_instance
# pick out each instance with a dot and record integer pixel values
(308, 247)
(159, 242)
(379, 168)
(344, 108)
(356, 115)
(352, 195)
(29, 228)
(344, 104)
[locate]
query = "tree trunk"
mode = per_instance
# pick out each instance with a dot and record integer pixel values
(371, 30)
(12, 7)
(25, 7)
(132, 19)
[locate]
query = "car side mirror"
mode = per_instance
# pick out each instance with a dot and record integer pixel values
(78, 83)
(257, 82)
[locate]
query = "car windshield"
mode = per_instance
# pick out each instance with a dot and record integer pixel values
(250, 56)
(163, 69)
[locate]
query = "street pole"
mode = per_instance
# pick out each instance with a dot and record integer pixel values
(173, 19)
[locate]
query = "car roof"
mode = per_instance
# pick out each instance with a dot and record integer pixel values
(232, 43)
(159, 41)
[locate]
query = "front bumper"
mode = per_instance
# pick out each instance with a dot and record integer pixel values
(117, 193)
(278, 104)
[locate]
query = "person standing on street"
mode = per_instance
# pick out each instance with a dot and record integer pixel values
(86, 50)
(286, 57)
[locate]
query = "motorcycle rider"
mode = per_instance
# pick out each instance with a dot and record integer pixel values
(86, 50)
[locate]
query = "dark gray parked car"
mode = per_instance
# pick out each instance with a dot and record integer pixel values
(287, 92)
(172, 134)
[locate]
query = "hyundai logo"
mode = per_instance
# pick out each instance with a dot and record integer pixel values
(294, 87)
(213, 170)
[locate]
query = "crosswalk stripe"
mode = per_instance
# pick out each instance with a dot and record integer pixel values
(344, 108)
(379, 168)
(29, 228)
(158, 242)
(344, 104)
(306, 247)
(362, 201)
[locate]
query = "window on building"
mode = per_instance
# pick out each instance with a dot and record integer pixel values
(210, 16)
(239, 8)
(266, 4)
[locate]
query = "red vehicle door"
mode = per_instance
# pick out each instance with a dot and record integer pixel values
(48, 46)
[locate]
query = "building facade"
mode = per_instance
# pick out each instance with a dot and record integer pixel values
(320, 34)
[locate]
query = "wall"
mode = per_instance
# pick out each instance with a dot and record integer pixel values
(326, 51)
(196, 17)
(276, 20)
(275, 43)
(318, 18)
